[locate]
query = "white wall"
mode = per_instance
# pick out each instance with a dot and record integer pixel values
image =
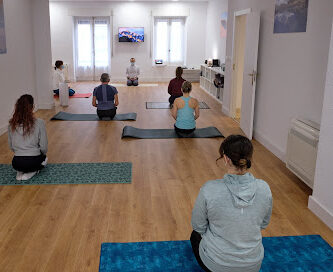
(42, 53)
(129, 14)
(17, 74)
(215, 45)
(321, 201)
(18, 67)
(291, 70)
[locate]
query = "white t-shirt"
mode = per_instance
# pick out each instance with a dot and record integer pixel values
(58, 77)
(133, 71)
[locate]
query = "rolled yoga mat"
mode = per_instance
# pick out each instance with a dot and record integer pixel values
(166, 105)
(129, 131)
(72, 173)
(66, 116)
(309, 253)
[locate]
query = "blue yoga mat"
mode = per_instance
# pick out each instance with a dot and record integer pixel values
(289, 254)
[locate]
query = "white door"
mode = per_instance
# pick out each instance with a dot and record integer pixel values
(250, 72)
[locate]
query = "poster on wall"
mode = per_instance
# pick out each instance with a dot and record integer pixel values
(290, 16)
(3, 48)
(223, 28)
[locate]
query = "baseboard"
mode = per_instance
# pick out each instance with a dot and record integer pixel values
(46, 106)
(225, 110)
(153, 80)
(123, 80)
(269, 145)
(321, 212)
(3, 129)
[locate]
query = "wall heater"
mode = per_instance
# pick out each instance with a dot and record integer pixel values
(302, 149)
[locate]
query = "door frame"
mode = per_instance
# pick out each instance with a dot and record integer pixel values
(232, 111)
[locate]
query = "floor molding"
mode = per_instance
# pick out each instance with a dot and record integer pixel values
(3, 129)
(225, 110)
(321, 211)
(269, 145)
(46, 106)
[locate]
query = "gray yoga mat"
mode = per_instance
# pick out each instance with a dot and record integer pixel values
(166, 105)
(66, 116)
(129, 131)
(72, 173)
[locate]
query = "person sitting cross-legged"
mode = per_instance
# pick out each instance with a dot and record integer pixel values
(59, 77)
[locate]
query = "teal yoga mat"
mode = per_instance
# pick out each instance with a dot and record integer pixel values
(72, 173)
(66, 116)
(309, 253)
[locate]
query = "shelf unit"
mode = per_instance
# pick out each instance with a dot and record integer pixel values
(207, 81)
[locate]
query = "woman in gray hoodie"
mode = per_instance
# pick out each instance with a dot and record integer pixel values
(230, 213)
(27, 139)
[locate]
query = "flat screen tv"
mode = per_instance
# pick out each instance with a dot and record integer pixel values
(131, 34)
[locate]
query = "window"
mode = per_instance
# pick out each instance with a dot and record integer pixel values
(169, 40)
(92, 47)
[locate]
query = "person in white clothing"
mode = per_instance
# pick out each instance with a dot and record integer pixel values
(59, 77)
(132, 73)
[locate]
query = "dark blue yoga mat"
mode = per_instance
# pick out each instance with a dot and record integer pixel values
(66, 116)
(140, 133)
(309, 253)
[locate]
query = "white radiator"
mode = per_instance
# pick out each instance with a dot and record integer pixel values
(302, 149)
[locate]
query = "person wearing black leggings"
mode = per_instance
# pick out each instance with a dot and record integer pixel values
(27, 139)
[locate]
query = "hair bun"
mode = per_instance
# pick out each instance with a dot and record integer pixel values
(242, 163)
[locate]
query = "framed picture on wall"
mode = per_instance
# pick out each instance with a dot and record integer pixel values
(290, 16)
(223, 27)
(3, 48)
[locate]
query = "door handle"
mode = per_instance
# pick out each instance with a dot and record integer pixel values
(253, 76)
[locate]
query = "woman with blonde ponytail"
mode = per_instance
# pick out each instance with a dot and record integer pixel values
(27, 139)
(230, 213)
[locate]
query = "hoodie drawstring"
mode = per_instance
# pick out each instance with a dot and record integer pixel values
(242, 210)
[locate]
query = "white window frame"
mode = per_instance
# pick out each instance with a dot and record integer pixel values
(95, 73)
(170, 20)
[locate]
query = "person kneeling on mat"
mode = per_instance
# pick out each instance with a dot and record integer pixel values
(107, 98)
(185, 111)
(132, 74)
(27, 139)
(59, 77)
(175, 86)
(230, 213)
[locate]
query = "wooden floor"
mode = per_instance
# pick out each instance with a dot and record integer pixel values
(61, 227)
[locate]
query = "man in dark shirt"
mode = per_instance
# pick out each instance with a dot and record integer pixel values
(175, 86)
(107, 98)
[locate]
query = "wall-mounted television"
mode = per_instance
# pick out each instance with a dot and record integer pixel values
(131, 34)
